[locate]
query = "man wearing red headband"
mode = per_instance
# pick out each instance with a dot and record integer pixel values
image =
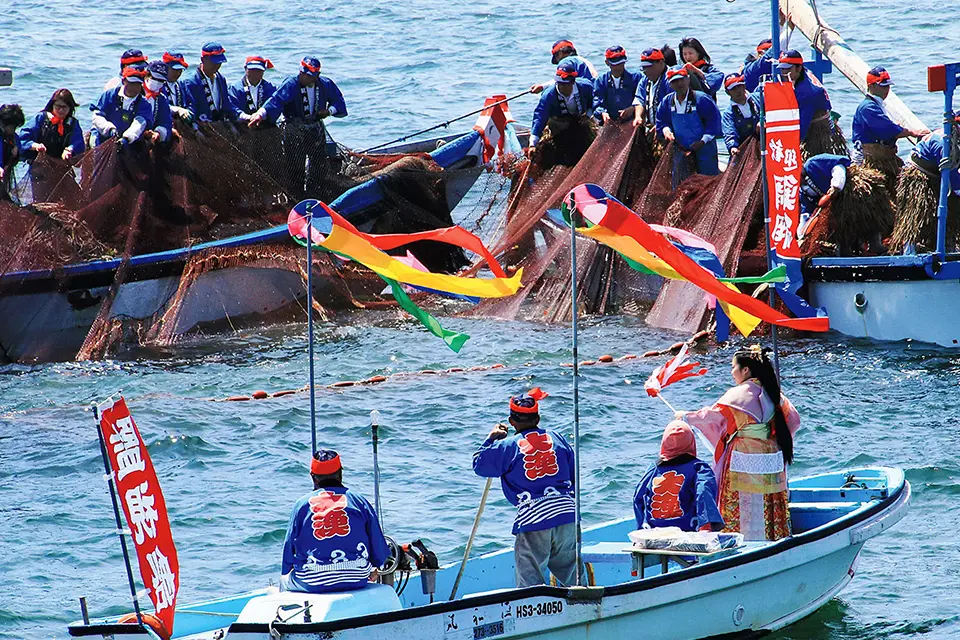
(569, 100)
(564, 50)
(536, 471)
(691, 120)
(741, 118)
(615, 92)
(654, 86)
(207, 90)
(875, 134)
(334, 541)
(129, 58)
(680, 490)
(252, 92)
(173, 88)
(122, 111)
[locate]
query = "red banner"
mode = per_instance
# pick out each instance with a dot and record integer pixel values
(139, 492)
(783, 164)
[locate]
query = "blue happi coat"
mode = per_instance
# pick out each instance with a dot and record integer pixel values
(678, 493)
(753, 70)
(699, 117)
(110, 107)
(176, 94)
(651, 94)
(333, 541)
(161, 119)
(872, 125)
(609, 99)
(817, 172)
(40, 130)
(930, 151)
(811, 97)
(738, 128)
(198, 103)
(288, 100)
(536, 474)
(244, 99)
(552, 105)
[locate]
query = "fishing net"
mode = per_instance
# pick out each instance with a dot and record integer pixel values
(211, 183)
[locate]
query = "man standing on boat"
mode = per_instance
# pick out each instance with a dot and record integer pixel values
(207, 88)
(252, 92)
(561, 107)
(334, 541)
(691, 121)
(741, 118)
(565, 50)
(122, 111)
(614, 92)
(653, 87)
(536, 471)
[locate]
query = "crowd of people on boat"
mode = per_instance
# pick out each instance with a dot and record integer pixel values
(739, 484)
(675, 98)
(146, 99)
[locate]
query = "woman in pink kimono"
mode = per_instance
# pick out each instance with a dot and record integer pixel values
(753, 439)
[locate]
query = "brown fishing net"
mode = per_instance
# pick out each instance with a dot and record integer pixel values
(212, 182)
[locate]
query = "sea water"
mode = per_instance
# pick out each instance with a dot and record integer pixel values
(232, 471)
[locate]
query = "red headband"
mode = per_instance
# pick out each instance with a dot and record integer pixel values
(653, 57)
(133, 59)
(264, 61)
(873, 78)
(566, 75)
(537, 394)
(763, 46)
(673, 73)
(785, 60)
(310, 67)
(215, 52)
(612, 54)
(732, 81)
(561, 45)
(167, 59)
(129, 72)
(325, 467)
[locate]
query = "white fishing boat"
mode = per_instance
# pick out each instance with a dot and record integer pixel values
(723, 594)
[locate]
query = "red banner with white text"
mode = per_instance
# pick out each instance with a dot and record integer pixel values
(783, 165)
(144, 507)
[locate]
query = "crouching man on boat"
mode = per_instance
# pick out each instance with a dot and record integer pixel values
(536, 471)
(334, 541)
(752, 427)
(680, 490)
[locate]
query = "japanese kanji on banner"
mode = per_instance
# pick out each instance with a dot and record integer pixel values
(783, 165)
(139, 494)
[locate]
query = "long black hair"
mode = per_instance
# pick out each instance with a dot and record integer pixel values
(669, 56)
(758, 361)
(694, 44)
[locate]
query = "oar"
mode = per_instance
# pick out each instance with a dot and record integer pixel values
(473, 534)
(443, 124)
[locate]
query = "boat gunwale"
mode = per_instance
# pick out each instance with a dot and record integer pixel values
(845, 522)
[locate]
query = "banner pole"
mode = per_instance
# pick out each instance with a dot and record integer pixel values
(576, 386)
(116, 514)
(313, 399)
(766, 228)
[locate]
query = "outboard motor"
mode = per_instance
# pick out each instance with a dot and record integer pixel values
(427, 565)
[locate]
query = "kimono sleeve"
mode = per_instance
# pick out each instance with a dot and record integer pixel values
(790, 413)
(707, 494)
(729, 126)
(493, 457)
(710, 115)
(378, 549)
(587, 99)
(99, 106)
(274, 106)
(879, 122)
(640, 496)
(643, 90)
(710, 421)
(289, 548)
(30, 132)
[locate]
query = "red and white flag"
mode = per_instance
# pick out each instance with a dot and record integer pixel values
(673, 370)
(144, 507)
(492, 125)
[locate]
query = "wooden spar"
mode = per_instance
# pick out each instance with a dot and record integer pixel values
(834, 47)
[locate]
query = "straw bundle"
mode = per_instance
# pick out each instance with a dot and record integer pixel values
(824, 136)
(918, 197)
(863, 212)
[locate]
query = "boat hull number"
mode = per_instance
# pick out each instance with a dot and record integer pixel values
(549, 608)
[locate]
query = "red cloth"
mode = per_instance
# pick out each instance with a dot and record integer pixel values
(677, 440)
(58, 123)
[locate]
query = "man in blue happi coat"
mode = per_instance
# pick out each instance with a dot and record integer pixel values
(208, 99)
(252, 92)
(653, 87)
(812, 99)
(565, 50)
(160, 129)
(823, 180)
(757, 65)
(122, 111)
(536, 471)
(173, 87)
(615, 91)
(691, 120)
(334, 541)
(304, 101)
(129, 58)
(565, 102)
(680, 490)
(741, 118)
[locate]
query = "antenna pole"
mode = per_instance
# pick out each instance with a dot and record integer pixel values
(313, 399)
(576, 384)
(375, 429)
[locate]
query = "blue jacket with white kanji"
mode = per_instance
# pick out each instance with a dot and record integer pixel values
(333, 541)
(536, 471)
(289, 100)
(872, 125)
(551, 105)
(200, 105)
(243, 99)
(609, 99)
(678, 493)
(161, 116)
